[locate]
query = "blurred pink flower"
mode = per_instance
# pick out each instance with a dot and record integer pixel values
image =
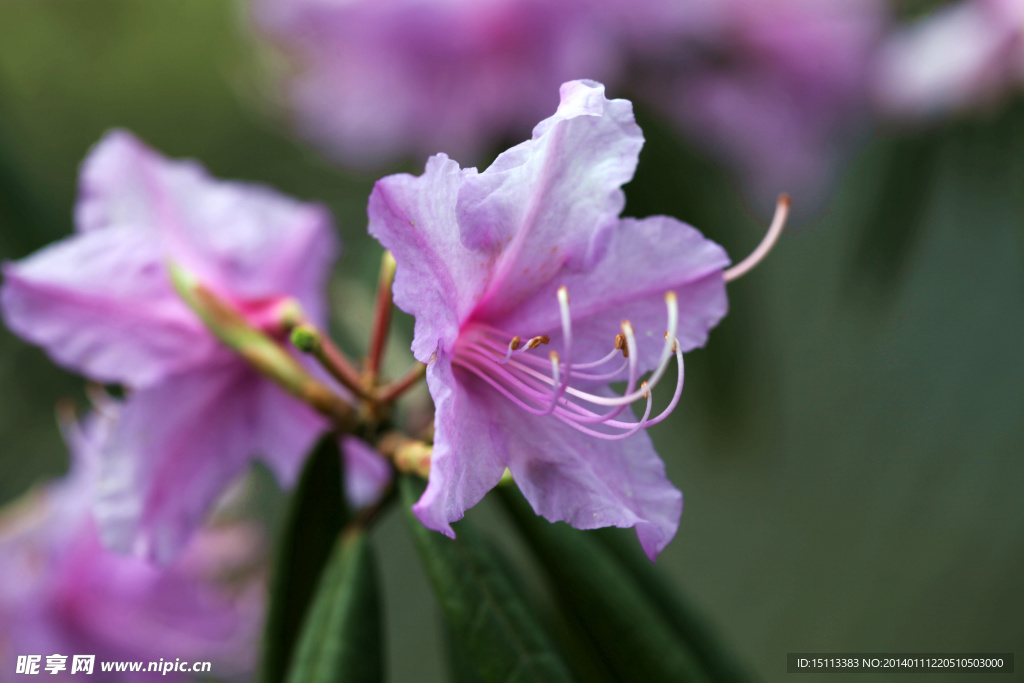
(61, 592)
(778, 89)
(376, 80)
(488, 263)
(101, 302)
(963, 56)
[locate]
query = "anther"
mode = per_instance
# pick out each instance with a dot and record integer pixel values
(537, 341)
(620, 344)
(627, 328)
(514, 344)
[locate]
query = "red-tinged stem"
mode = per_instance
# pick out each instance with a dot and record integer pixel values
(393, 391)
(309, 339)
(381, 318)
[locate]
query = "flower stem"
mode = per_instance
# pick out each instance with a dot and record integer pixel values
(308, 339)
(393, 391)
(381, 318)
(261, 351)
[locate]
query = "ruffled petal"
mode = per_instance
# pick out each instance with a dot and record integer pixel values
(101, 303)
(437, 279)
(589, 482)
(469, 448)
(646, 259)
(552, 201)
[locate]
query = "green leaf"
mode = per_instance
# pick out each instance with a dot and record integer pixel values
(500, 637)
(460, 668)
(636, 639)
(341, 639)
(688, 625)
(315, 517)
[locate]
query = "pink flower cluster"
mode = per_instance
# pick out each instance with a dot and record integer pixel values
(532, 296)
(61, 592)
(779, 90)
(773, 86)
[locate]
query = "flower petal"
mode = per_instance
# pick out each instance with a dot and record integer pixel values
(588, 482)
(367, 473)
(437, 279)
(101, 303)
(249, 241)
(552, 200)
(646, 259)
(469, 448)
(176, 448)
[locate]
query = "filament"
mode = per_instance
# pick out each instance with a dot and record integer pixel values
(769, 240)
(545, 387)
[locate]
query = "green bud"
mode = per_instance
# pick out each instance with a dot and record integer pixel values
(306, 339)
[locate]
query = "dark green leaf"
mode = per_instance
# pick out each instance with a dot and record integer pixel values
(460, 668)
(489, 622)
(633, 635)
(689, 626)
(341, 639)
(315, 517)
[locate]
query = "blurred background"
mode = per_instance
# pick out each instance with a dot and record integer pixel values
(849, 443)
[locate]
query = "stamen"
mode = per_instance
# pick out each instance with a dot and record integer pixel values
(556, 381)
(543, 387)
(770, 238)
(513, 346)
(560, 386)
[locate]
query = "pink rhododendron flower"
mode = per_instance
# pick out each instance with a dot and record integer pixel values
(101, 302)
(527, 286)
(379, 79)
(962, 56)
(61, 592)
(776, 88)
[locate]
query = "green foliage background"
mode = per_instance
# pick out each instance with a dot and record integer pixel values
(849, 444)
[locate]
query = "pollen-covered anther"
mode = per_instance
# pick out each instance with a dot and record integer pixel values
(620, 344)
(537, 341)
(514, 344)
